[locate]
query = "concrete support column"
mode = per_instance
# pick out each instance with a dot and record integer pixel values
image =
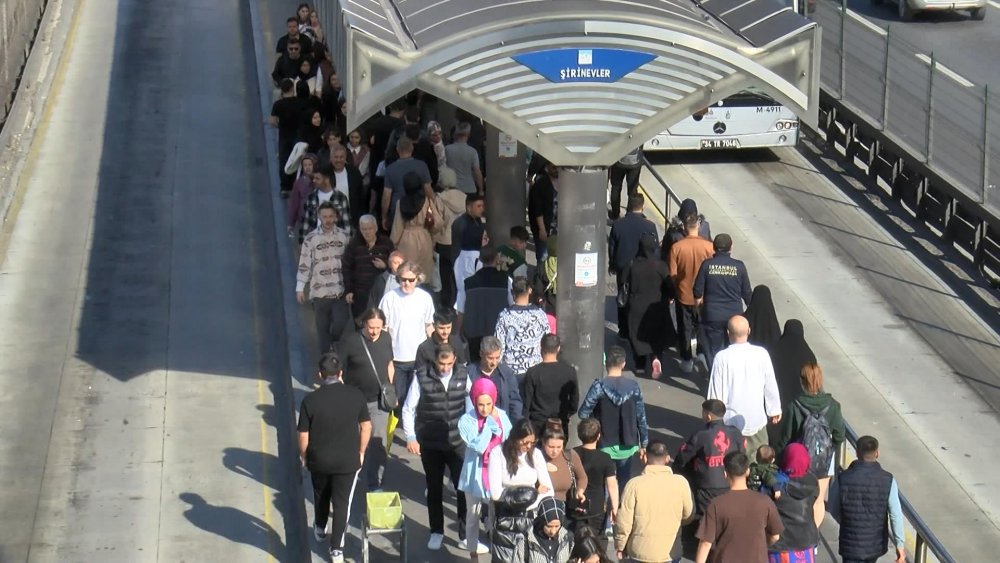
(582, 277)
(506, 193)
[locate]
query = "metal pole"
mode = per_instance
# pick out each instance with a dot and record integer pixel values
(843, 47)
(885, 75)
(986, 142)
(582, 269)
(930, 110)
(506, 199)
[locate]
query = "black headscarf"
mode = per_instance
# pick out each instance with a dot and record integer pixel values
(688, 207)
(411, 203)
(549, 509)
(647, 246)
(788, 356)
(764, 328)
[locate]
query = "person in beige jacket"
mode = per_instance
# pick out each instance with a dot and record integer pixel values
(652, 508)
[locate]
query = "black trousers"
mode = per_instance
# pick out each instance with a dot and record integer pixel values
(447, 270)
(715, 339)
(689, 321)
(285, 147)
(332, 317)
(337, 490)
(617, 173)
(435, 462)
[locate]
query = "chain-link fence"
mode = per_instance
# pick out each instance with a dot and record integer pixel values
(942, 119)
(19, 21)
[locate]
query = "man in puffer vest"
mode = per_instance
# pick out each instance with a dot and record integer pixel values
(864, 499)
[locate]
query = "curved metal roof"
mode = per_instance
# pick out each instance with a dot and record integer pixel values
(477, 54)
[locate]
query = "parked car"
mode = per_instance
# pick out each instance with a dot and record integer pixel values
(909, 8)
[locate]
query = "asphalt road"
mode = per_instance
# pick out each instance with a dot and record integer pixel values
(965, 46)
(140, 400)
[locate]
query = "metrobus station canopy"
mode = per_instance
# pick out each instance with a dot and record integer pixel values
(583, 82)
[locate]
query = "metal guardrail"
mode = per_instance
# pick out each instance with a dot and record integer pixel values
(926, 137)
(944, 120)
(926, 547)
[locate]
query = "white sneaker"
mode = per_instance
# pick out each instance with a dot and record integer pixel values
(481, 548)
(336, 556)
(319, 533)
(435, 541)
(687, 366)
(703, 360)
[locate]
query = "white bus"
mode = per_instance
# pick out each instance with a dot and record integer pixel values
(750, 119)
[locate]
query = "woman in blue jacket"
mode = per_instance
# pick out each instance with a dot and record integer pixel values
(482, 429)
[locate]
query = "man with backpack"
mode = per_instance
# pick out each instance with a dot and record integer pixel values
(815, 420)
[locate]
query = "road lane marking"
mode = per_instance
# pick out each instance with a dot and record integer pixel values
(995, 4)
(863, 21)
(945, 71)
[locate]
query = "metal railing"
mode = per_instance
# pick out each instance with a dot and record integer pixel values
(922, 545)
(943, 120)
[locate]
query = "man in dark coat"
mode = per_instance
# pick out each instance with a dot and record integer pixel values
(623, 247)
(346, 178)
(864, 499)
(721, 288)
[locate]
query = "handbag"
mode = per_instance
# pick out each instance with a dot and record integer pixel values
(574, 507)
(387, 398)
(429, 221)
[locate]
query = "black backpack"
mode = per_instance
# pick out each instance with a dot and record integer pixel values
(817, 437)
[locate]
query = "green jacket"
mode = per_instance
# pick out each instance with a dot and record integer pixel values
(792, 420)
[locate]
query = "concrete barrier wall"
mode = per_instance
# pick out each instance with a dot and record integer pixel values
(19, 21)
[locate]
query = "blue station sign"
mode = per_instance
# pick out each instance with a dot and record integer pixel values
(584, 65)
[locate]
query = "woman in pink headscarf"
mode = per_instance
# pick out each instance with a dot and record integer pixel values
(483, 428)
(795, 506)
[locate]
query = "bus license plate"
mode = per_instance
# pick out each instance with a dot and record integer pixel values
(729, 143)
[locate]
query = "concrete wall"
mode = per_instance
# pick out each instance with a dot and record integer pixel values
(18, 24)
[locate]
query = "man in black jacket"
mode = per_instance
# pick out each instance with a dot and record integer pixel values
(700, 457)
(486, 293)
(443, 323)
(721, 288)
(491, 367)
(346, 179)
(435, 401)
(551, 388)
(623, 246)
(864, 499)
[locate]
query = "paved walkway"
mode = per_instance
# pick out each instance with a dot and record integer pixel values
(138, 383)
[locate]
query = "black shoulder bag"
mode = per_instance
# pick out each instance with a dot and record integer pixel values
(387, 399)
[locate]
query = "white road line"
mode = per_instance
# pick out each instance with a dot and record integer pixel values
(946, 71)
(995, 4)
(866, 23)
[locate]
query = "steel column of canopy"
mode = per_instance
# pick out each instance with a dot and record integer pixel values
(582, 269)
(506, 196)
(580, 81)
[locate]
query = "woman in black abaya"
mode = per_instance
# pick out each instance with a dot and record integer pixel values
(764, 328)
(648, 318)
(788, 356)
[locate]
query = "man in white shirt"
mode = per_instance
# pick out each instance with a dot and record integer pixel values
(409, 318)
(743, 379)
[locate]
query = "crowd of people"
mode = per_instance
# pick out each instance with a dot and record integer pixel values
(421, 318)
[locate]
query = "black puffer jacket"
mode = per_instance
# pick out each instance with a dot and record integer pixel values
(512, 522)
(795, 506)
